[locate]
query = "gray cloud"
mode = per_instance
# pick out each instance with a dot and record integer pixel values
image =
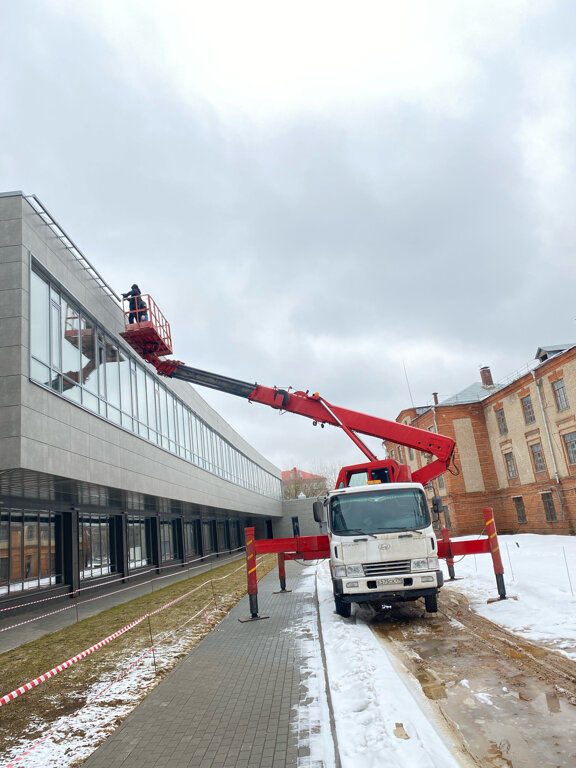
(325, 248)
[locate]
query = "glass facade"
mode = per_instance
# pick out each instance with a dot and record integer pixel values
(139, 541)
(76, 358)
(27, 550)
(95, 545)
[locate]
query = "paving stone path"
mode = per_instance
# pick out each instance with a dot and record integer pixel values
(241, 699)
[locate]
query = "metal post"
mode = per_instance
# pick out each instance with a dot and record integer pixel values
(252, 575)
(282, 574)
(449, 558)
(495, 551)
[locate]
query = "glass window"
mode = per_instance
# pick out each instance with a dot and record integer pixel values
(549, 508)
(4, 552)
(501, 419)
(164, 416)
(528, 410)
(561, 395)
(151, 400)
(125, 388)
(510, 465)
(70, 341)
(39, 325)
(89, 364)
(537, 457)
(95, 545)
(112, 375)
(139, 538)
(55, 335)
(71, 390)
(101, 357)
(41, 373)
(377, 512)
(192, 537)
(570, 442)
(520, 509)
(142, 403)
(207, 537)
(27, 550)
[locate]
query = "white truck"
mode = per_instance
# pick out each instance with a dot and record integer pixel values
(382, 545)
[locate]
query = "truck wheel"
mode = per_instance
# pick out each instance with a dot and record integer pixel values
(431, 602)
(342, 608)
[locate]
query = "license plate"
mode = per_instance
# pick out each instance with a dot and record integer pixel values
(388, 582)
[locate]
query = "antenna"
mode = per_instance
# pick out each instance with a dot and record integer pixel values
(408, 384)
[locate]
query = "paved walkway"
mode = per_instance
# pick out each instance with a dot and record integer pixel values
(241, 697)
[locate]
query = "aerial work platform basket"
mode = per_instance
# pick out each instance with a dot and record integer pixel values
(146, 329)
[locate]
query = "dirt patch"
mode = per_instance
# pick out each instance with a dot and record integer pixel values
(508, 701)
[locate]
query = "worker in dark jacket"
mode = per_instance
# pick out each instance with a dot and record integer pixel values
(137, 306)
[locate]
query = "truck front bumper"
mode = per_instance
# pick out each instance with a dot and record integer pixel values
(391, 589)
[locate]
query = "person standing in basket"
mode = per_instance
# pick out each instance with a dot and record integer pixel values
(137, 306)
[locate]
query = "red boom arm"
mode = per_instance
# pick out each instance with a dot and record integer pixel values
(320, 411)
(151, 339)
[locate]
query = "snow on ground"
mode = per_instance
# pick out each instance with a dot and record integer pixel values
(378, 720)
(73, 737)
(540, 571)
(313, 715)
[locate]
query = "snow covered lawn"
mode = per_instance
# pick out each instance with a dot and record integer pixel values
(540, 572)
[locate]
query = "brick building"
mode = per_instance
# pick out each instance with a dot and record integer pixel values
(296, 482)
(515, 448)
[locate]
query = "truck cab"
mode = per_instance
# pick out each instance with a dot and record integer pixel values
(382, 545)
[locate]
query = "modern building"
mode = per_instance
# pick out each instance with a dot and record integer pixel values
(105, 468)
(515, 448)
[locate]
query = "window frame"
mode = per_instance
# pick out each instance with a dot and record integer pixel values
(549, 507)
(501, 421)
(560, 395)
(570, 447)
(510, 464)
(528, 409)
(537, 457)
(520, 509)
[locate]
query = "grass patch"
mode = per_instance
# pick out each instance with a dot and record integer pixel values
(29, 715)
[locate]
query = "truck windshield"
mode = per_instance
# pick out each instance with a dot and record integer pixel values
(377, 512)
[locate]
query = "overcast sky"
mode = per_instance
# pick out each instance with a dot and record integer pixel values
(369, 199)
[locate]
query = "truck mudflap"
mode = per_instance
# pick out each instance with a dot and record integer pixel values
(397, 596)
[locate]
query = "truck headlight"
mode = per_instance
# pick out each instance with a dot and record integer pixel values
(354, 571)
(421, 564)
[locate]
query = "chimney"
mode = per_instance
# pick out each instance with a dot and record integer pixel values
(486, 376)
(435, 396)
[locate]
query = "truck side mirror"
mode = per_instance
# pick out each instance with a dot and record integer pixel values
(318, 511)
(436, 507)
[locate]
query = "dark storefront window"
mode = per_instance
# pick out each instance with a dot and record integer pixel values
(139, 541)
(95, 545)
(208, 537)
(27, 550)
(192, 537)
(169, 539)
